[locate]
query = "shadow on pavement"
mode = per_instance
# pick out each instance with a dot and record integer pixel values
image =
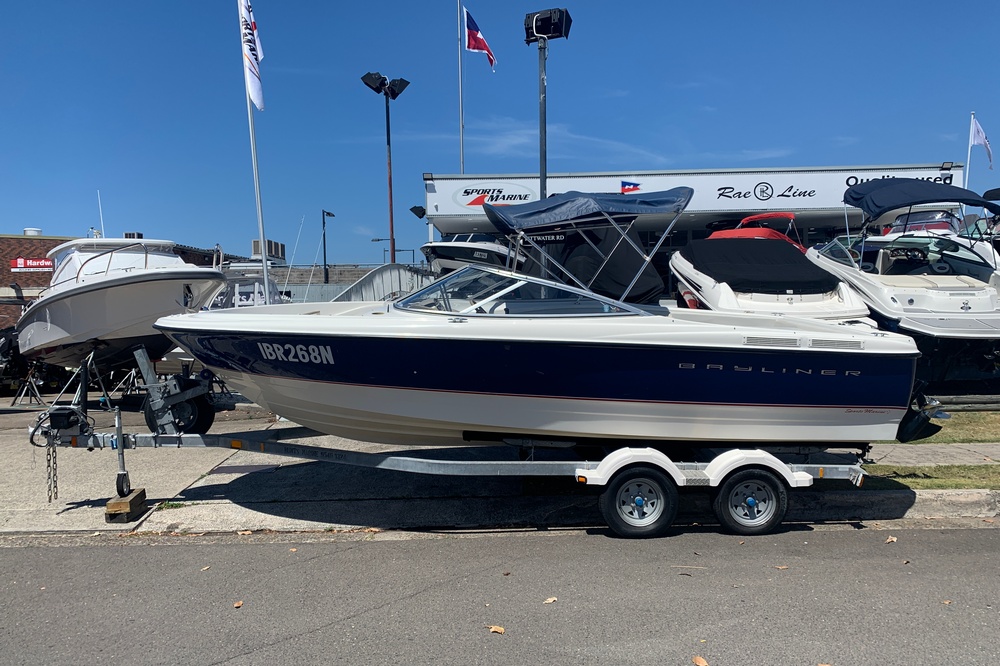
(343, 495)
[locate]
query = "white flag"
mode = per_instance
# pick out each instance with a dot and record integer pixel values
(979, 139)
(252, 54)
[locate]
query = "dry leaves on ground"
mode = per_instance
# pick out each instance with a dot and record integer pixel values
(238, 604)
(699, 661)
(495, 629)
(550, 600)
(891, 539)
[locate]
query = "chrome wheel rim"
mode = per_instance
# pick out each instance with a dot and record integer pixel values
(752, 503)
(640, 502)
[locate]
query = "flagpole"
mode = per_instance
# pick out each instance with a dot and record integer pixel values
(260, 214)
(968, 156)
(461, 111)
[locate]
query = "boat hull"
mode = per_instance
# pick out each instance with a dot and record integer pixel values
(403, 390)
(111, 316)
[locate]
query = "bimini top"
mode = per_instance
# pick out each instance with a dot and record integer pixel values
(877, 197)
(580, 206)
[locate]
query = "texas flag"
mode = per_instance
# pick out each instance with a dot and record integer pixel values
(629, 187)
(474, 40)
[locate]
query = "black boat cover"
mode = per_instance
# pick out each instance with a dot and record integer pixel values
(761, 266)
(877, 197)
(583, 206)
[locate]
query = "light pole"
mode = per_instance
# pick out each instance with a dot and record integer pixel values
(391, 90)
(541, 27)
(326, 267)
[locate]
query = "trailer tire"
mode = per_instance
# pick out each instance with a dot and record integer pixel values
(751, 501)
(123, 485)
(639, 502)
(194, 416)
(205, 417)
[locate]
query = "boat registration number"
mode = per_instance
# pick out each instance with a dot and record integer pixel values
(319, 354)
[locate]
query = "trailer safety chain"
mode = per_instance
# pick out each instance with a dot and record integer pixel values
(53, 472)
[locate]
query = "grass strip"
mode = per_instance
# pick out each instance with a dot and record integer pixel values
(932, 477)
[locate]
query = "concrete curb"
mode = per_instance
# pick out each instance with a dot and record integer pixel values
(893, 504)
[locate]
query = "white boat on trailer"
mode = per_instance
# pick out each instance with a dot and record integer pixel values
(104, 295)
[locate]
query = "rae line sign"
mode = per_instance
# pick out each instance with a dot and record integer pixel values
(721, 191)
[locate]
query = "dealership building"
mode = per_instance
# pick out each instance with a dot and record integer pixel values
(815, 194)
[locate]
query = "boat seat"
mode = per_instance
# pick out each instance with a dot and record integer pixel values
(882, 262)
(931, 282)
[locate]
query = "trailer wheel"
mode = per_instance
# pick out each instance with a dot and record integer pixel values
(639, 502)
(751, 501)
(123, 485)
(194, 416)
(205, 417)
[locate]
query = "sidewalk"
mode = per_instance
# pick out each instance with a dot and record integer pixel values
(227, 490)
(935, 454)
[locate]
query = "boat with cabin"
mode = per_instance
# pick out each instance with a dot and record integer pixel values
(104, 295)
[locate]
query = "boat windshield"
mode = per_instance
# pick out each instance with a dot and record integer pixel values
(837, 249)
(480, 290)
(909, 255)
(469, 238)
(926, 220)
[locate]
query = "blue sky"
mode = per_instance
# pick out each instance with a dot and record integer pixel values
(145, 102)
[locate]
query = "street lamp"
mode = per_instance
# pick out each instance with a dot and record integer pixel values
(326, 267)
(541, 27)
(391, 90)
(421, 213)
(381, 240)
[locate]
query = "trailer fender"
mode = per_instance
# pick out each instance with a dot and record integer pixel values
(729, 461)
(621, 458)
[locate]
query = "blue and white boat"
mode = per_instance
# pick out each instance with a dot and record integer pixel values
(486, 354)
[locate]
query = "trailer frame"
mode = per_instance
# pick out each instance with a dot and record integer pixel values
(749, 486)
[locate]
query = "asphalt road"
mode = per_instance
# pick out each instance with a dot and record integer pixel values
(825, 595)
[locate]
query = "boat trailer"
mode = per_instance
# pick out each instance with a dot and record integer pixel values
(640, 485)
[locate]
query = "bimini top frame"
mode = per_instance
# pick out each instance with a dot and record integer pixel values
(537, 223)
